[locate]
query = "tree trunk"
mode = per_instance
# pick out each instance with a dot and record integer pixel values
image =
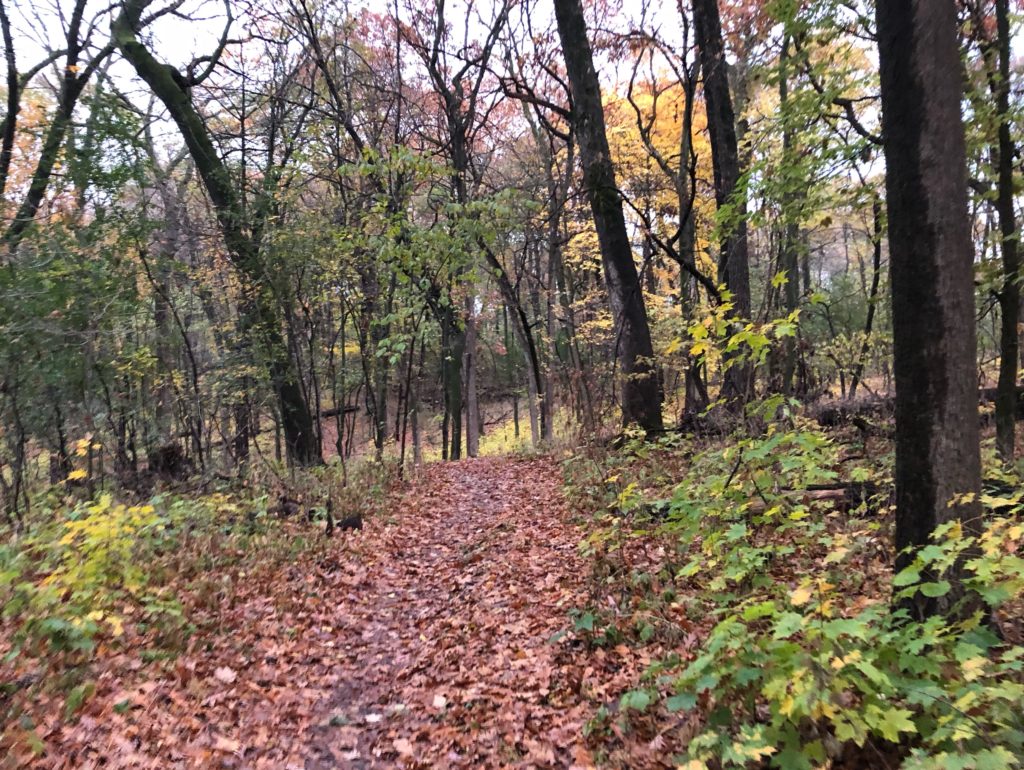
(937, 455)
(791, 228)
(1009, 294)
(263, 318)
(641, 395)
(453, 342)
(10, 122)
(470, 368)
(733, 263)
(71, 90)
(876, 276)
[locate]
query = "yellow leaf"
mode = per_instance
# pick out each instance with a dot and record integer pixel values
(78, 473)
(787, 705)
(824, 709)
(853, 657)
(973, 668)
(800, 596)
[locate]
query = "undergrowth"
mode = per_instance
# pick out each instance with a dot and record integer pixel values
(775, 614)
(92, 579)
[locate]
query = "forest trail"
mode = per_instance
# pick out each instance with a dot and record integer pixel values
(423, 640)
(443, 627)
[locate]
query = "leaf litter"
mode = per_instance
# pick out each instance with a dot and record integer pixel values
(439, 636)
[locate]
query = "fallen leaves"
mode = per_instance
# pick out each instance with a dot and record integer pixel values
(435, 637)
(403, 746)
(464, 592)
(225, 674)
(227, 744)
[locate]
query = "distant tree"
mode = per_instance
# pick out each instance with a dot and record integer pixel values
(994, 41)
(938, 466)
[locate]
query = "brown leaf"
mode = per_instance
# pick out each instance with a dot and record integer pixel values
(227, 744)
(225, 674)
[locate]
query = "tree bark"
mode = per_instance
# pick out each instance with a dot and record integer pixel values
(733, 261)
(937, 454)
(641, 394)
(876, 277)
(1009, 294)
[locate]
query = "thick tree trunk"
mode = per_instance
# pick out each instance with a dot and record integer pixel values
(937, 455)
(641, 394)
(733, 261)
(1009, 294)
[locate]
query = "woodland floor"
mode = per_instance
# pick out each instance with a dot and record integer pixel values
(424, 640)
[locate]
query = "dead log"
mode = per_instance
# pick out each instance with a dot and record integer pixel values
(847, 497)
(838, 413)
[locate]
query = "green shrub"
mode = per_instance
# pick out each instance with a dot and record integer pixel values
(79, 577)
(808, 659)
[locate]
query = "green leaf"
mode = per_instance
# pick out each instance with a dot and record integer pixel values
(637, 700)
(682, 702)
(77, 697)
(787, 625)
(907, 577)
(759, 610)
(585, 622)
(940, 588)
(894, 721)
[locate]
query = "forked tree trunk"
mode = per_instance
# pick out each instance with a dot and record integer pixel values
(937, 456)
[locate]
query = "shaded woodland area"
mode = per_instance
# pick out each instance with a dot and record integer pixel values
(717, 304)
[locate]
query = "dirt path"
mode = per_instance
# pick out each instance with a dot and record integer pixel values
(444, 624)
(422, 641)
